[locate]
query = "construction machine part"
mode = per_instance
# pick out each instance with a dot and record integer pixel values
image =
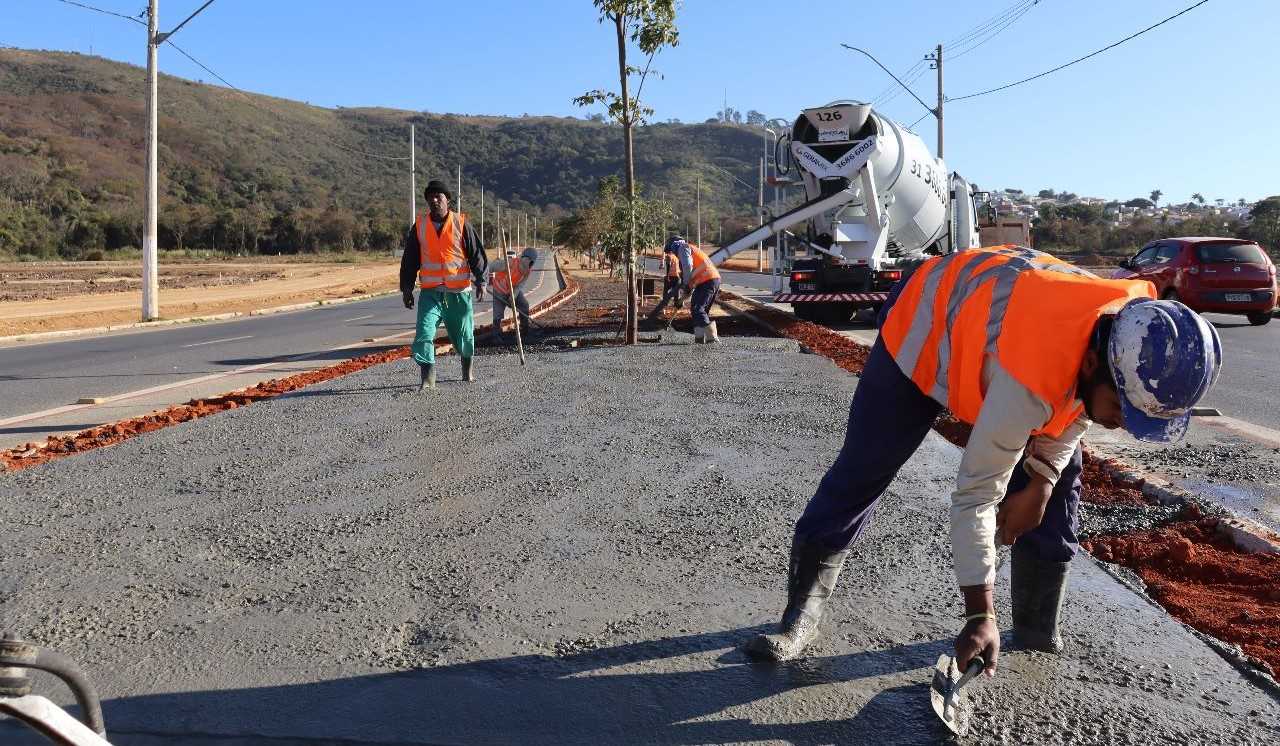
(16, 656)
(947, 695)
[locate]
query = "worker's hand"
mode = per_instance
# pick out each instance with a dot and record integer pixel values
(979, 637)
(408, 299)
(1023, 510)
(479, 292)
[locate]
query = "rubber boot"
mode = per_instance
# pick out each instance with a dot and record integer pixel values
(811, 579)
(699, 334)
(426, 376)
(1038, 588)
(467, 373)
(713, 334)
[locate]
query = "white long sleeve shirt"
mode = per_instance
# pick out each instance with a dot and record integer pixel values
(1010, 414)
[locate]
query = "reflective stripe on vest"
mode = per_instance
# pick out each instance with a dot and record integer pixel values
(673, 265)
(703, 269)
(500, 282)
(443, 259)
(1031, 310)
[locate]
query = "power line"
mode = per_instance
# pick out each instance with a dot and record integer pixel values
(983, 27)
(994, 33)
(1081, 59)
(104, 12)
(248, 97)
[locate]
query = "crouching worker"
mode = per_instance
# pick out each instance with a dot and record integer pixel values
(1029, 350)
(670, 281)
(501, 288)
(699, 276)
(444, 256)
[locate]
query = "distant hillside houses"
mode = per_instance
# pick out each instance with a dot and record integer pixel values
(1016, 202)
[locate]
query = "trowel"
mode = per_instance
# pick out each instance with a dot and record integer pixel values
(947, 692)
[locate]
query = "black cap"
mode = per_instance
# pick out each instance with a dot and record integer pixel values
(437, 187)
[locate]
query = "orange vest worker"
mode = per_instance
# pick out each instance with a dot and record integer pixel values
(703, 269)
(1032, 310)
(444, 262)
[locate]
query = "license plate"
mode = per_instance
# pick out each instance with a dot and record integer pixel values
(1239, 297)
(805, 287)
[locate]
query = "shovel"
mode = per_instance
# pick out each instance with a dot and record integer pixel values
(947, 695)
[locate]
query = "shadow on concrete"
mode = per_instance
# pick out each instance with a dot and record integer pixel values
(645, 692)
(304, 357)
(45, 428)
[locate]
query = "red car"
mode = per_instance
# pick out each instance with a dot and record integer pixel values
(1218, 275)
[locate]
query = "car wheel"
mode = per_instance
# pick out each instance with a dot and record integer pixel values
(1258, 318)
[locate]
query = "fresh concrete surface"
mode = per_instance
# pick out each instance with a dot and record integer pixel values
(566, 553)
(205, 360)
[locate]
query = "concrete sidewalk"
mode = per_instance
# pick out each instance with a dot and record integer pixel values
(566, 553)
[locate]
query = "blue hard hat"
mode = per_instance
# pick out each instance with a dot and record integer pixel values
(1164, 358)
(673, 243)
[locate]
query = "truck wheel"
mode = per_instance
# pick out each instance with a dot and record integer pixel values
(806, 311)
(1259, 318)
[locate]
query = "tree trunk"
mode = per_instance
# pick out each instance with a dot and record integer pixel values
(632, 322)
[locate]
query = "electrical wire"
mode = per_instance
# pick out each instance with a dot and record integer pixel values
(990, 23)
(248, 97)
(993, 34)
(1080, 59)
(100, 10)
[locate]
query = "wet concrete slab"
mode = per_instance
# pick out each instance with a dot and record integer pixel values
(572, 552)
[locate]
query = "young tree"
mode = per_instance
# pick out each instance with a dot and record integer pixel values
(651, 25)
(1198, 198)
(1156, 194)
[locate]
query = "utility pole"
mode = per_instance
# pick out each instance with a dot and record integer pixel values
(760, 213)
(458, 193)
(482, 214)
(413, 178)
(150, 249)
(535, 231)
(938, 113)
(699, 210)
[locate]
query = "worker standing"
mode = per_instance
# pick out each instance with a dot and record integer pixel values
(443, 253)
(670, 281)
(699, 276)
(501, 288)
(1029, 350)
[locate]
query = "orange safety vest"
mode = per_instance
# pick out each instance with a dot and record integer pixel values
(443, 260)
(1031, 310)
(673, 266)
(703, 269)
(502, 284)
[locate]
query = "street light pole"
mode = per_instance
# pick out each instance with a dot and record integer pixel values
(150, 231)
(699, 203)
(413, 178)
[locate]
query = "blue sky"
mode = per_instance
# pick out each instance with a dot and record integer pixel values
(1189, 107)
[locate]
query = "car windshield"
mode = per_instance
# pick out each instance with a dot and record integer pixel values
(1230, 252)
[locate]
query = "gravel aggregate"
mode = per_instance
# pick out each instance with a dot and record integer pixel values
(570, 552)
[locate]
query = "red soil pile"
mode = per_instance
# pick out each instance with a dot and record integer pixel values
(1205, 581)
(1104, 488)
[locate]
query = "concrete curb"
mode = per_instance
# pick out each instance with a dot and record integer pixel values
(160, 323)
(1247, 535)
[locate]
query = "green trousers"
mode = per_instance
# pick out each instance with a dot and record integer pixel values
(454, 310)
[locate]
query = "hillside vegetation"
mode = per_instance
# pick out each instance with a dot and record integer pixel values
(256, 174)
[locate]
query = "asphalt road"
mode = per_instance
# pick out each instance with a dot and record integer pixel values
(1248, 387)
(357, 563)
(40, 376)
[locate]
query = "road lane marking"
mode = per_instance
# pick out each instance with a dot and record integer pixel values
(216, 341)
(359, 318)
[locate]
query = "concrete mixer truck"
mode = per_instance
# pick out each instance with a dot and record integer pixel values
(877, 203)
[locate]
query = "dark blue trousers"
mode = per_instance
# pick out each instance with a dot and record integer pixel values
(704, 296)
(888, 420)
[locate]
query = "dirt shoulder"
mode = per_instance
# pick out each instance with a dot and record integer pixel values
(56, 297)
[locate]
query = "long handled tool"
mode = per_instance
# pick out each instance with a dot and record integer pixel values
(947, 695)
(511, 296)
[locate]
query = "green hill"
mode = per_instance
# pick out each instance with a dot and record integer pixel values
(246, 172)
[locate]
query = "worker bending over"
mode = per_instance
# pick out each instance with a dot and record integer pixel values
(444, 253)
(699, 276)
(670, 282)
(1029, 350)
(501, 286)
